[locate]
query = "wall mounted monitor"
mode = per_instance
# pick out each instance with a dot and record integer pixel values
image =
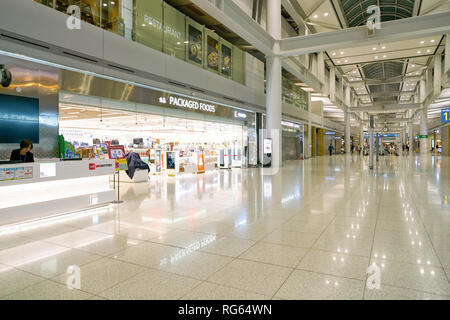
(19, 119)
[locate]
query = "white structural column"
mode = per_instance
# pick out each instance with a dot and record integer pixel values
(423, 138)
(411, 138)
(437, 75)
(347, 119)
(273, 83)
(332, 86)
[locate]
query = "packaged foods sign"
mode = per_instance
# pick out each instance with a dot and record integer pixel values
(187, 103)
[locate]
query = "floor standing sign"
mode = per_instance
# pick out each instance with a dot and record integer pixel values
(118, 153)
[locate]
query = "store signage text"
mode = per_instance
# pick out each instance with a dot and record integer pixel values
(290, 124)
(93, 166)
(158, 25)
(331, 133)
(188, 103)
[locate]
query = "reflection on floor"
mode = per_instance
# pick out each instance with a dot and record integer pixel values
(308, 232)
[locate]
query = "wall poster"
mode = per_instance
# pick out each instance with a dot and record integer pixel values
(226, 60)
(195, 49)
(212, 53)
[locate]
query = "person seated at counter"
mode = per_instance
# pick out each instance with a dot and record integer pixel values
(23, 154)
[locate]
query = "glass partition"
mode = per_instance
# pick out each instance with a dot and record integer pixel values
(159, 26)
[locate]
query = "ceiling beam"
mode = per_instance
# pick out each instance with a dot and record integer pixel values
(378, 82)
(396, 30)
(386, 108)
(380, 94)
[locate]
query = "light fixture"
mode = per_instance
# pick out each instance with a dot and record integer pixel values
(342, 52)
(326, 14)
(376, 57)
(432, 40)
(374, 48)
(316, 16)
(345, 60)
(383, 47)
(413, 65)
(422, 42)
(334, 53)
(384, 56)
(339, 61)
(419, 51)
(428, 50)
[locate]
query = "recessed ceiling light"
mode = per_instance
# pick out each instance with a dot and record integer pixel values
(384, 56)
(342, 52)
(334, 53)
(374, 48)
(339, 61)
(417, 73)
(432, 40)
(345, 60)
(316, 16)
(428, 50)
(422, 42)
(376, 57)
(419, 51)
(326, 14)
(383, 47)
(413, 65)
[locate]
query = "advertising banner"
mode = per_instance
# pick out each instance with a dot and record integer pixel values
(200, 162)
(226, 60)
(212, 53)
(118, 153)
(195, 46)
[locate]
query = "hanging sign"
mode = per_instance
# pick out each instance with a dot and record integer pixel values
(445, 115)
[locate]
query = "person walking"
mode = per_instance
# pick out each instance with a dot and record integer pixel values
(330, 148)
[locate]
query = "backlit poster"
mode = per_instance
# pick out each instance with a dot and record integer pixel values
(226, 60)
(200, 162)
(171, 160)
(195, 45)
(212, 53)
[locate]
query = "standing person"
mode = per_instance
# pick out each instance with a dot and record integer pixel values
(330, 148)
(23, 154)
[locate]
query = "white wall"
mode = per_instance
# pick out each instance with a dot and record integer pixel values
(254, 73)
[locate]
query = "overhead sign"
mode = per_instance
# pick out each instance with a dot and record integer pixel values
(290, 124)
(445, 115)
(187, 103)
(331, 133)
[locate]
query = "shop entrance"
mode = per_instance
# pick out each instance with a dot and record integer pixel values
(164, 142)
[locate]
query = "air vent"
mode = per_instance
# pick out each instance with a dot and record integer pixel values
(197, 89)
(176, 84)
(120, 68)
(25, 41)
(80, 57)
(228, 98)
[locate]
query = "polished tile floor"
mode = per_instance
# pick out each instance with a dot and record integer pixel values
(309, 231)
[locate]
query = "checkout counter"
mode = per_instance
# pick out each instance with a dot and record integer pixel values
(30, 191)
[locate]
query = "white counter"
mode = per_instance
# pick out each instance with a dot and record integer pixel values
(36, 190)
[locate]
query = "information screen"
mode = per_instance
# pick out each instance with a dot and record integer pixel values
(19, 119)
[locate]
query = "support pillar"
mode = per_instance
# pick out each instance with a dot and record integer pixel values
(347, 119)
(423, 139)
(412, 148)
(273, 84)
(371, 151)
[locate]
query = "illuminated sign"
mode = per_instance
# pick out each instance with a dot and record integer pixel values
(240, 115)
(290, 124)
(445, 115)
(187, 103)
(331, 133)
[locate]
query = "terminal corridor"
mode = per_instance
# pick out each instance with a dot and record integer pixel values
(310, 231)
